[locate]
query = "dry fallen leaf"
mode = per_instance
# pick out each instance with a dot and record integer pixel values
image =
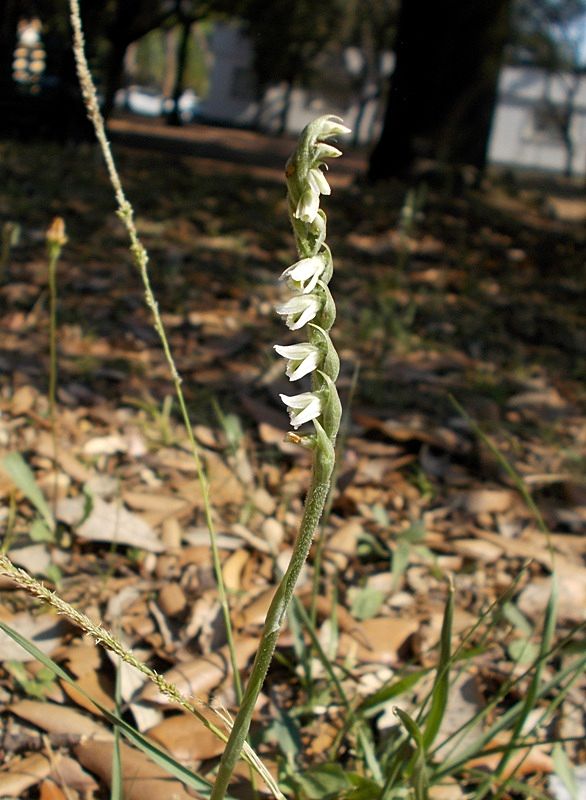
(199, 677)
(50, 791)
(186, 738)
(141, 778)
(20, 774)
(108, 522)
(54, 718)
(378, 640)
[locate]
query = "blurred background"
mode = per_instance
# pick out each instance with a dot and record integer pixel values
(500, 82)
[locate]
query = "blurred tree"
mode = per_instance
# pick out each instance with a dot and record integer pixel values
(550, 34)
(369, 30)
(288, 36)
(443, 88)
(126, 22)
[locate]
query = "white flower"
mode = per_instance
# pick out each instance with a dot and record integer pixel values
(323, 150)
(302, 407)
(308, 205)
(317, 181)
(332, 126)
(299, 310)
(303, 359)
(303, 275)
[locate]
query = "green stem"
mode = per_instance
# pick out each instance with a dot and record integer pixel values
(314, 506)
(54, 253)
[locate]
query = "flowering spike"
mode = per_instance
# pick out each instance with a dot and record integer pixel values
(308, 279)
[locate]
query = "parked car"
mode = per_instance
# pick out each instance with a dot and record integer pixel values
(151, 103)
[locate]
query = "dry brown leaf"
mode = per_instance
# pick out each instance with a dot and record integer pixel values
(21, 774)
(55, 718)
(23, 400)
(95, 685)
(522, 762)
(141, 778)
(165, 504)
(186, 738)
(224, 485)
(68, 462)
(50, 791)
(172, 599)
(415, 428)
(83, 657)
(68, 773)
(341, 545)
(232, 569)
(483, 501)
(255, 612)
(108, 522)
(477, 549)
(198, 677)
(378, 640)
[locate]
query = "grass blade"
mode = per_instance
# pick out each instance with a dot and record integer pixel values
(441, 685)
(22, 476)
(160, 758)
(419, 779)
(532, 692)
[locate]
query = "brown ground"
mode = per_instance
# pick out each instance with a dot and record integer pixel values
(482, 300)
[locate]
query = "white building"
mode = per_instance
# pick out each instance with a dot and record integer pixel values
(525, 133)
(233, 98)
(526, 129)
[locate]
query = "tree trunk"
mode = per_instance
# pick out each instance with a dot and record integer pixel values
(443, 89)
(282, 126)
(113, 73)
(174, 117)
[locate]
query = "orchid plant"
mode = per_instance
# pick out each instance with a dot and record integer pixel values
(311, 305)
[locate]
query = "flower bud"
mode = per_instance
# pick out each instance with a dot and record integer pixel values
(56, 233)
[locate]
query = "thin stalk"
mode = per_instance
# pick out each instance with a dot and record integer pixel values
(314, 506)
(56, 239)
(141, 258)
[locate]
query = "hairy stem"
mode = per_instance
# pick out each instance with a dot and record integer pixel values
(140, 256)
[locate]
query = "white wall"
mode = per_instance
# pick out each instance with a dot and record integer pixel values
(515, 141)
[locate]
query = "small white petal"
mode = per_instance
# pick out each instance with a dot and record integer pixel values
(323, 150)
(299, 310)
(317, 181)
(308, 206)
(303, 359)
(333, 126)
(304, 274)
(304, 407)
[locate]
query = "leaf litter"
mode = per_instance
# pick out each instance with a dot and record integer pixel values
(419, 495)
